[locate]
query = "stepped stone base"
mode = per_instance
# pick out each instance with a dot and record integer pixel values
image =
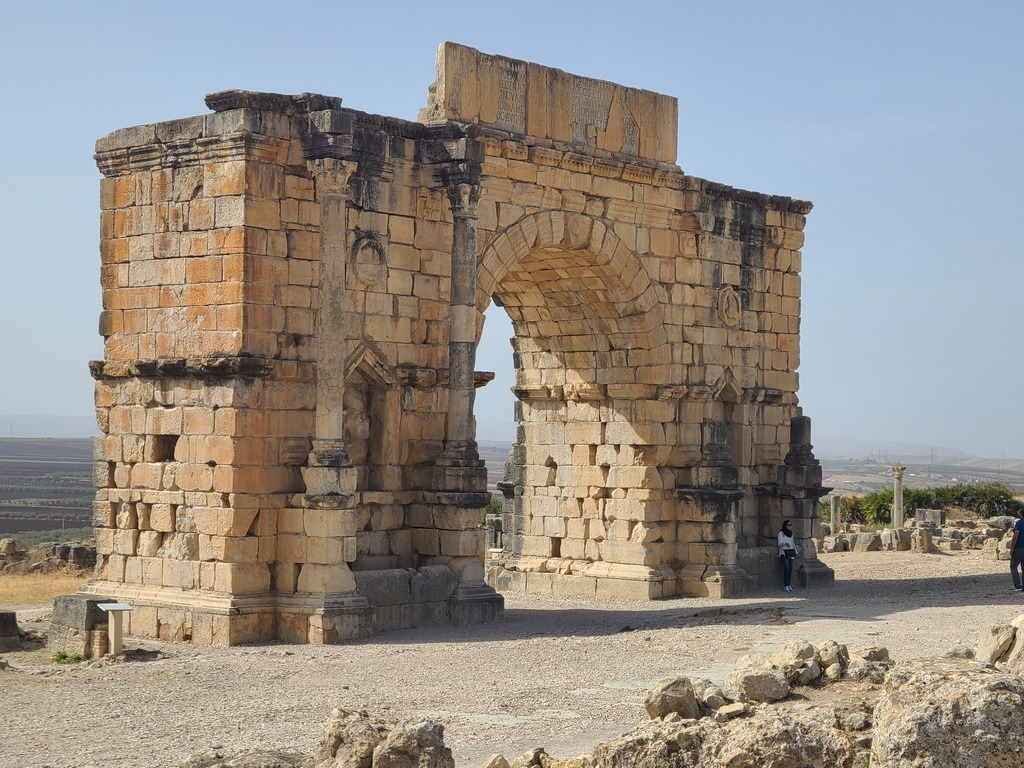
(601, 581)
(397, 598)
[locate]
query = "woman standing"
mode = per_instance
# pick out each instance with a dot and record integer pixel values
(788, 551)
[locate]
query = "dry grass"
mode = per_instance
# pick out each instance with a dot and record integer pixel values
(28, 588)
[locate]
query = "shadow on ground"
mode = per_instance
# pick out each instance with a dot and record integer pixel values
(860, 600)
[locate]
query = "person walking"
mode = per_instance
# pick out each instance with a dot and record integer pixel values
(789, 551)
(1017, 551)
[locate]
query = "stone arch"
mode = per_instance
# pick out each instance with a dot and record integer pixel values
(561, 231)
(583, 485)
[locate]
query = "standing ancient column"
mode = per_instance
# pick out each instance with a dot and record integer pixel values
(897, 497)
(834, 520)
(329, 467)
(460, 462)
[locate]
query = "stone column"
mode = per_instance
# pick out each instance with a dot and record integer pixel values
(835, 520)
(326, 607)
(460, 467)
(799, 489)
(897, 496)
(461, 478)
(710, 497)
(329, 470)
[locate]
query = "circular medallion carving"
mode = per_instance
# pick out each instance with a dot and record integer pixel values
(729, 309)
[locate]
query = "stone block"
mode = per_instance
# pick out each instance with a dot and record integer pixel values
(242, 578)
(387, 587)
(432, 584)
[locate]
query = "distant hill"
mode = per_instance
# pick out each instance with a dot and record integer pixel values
(40, 425)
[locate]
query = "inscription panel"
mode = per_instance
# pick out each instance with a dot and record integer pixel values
(511, 96)
(591, 102)
(542, 102)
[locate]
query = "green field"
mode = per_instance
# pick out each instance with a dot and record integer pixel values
(45, 485)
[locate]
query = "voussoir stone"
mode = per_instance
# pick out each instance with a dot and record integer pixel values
(672, 695)
(949, 712)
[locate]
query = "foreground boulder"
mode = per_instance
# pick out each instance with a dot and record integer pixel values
(949, 712)
(764, 740)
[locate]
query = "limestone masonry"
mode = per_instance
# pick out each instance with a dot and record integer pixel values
(293, 292)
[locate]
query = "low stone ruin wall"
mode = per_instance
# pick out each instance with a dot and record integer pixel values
(926, 533)
(73, 556)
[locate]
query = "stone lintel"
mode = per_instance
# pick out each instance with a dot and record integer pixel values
(169, 367)
(532, 100)
(790, 491)
(222, 101)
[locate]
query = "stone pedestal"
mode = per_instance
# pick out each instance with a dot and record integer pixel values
(324, 618)
(76, 618)
(814, 573)
(713, 581)
(10, 640)
(476, 603)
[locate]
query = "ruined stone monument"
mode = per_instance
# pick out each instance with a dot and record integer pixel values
(293, 292)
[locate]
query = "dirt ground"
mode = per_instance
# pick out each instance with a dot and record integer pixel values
(562, 674)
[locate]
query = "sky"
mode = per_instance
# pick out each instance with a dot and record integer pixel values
(901, 121)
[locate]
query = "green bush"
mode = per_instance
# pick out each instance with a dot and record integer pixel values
(984, 499)
(61, 657)
(495, 505)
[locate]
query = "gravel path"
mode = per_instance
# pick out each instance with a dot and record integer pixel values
(563, 674)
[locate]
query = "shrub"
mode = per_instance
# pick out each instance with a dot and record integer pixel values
(495, 505)
(984, 499)
(60, 657)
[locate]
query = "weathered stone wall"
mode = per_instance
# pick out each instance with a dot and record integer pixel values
(293, 294)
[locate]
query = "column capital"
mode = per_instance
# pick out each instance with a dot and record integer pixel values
(332, 175)
(898, 472)
(464, 198)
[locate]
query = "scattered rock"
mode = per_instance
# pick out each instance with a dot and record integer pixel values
(413, 744)
(948, 712)
(994, 641)
(756, 683)
(250, 758)
(871, 653)
(349, 739)
(673, 695)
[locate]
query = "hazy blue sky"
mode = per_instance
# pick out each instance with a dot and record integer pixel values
(902, 122)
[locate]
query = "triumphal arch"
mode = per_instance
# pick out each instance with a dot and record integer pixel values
(293, 293)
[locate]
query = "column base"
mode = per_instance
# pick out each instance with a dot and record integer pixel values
(475, 603)
(717, 581)
(814, 573)
(324, 619)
